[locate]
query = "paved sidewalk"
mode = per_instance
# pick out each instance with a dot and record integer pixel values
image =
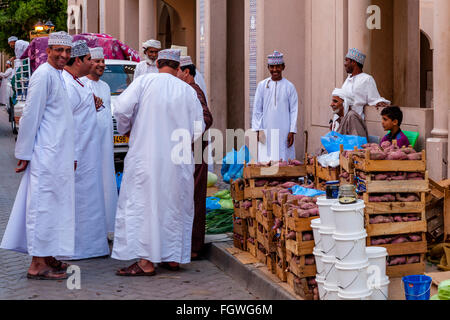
(199, 280)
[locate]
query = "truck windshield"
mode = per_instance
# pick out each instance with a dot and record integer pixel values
(118, 77)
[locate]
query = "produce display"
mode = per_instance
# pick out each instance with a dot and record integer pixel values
(381, 240)
(280, 163)
(388, 151)
(400, 260)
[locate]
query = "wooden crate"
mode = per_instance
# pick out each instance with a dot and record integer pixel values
(252, 213)
(402, 186)
(271, 262)
(395, 228)
(327, 174)
(265, 238)
(236, 193)
(310, 168)
(251, 248)
(266, 222)
(252, 229)
(268, 203)
(240, 229)
(239, 245)
(298, 224)
(299, 247)
(403, 248)
(407, 269)
(346, 163)
(367, 165)
(252, 172)
(300, 269)
(394, 207)
(278, 211)
(280, 268)
(251, 191)
(261, 256)
(301, 289)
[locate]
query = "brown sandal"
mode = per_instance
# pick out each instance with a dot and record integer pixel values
(56, 264)
(47, 275)
(134, 271)
(167, 266)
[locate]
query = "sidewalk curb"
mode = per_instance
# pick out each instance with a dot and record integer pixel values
(248, 276)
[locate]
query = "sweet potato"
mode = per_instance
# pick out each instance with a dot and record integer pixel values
(377, 155)
(380, 177)
(396, 155)
(397, 260)
(309, 261)
(414, 156)
(415, 238)
(295, 163)
(399, 239)
(308, 236)
(386, 145)
(303, 214)
(260, 183)
(288, 185)
(413, 259)
(291, 236)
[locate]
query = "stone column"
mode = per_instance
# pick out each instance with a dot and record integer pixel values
(437, 147)
(148, 29)
(359, 35)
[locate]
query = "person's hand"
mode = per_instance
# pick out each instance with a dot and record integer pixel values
(381, 105)
(98, 102)
(22, 166)
(291, 139)
(75, 165)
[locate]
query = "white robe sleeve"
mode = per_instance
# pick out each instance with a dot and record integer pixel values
(293, 109)
(33, 111)
(258, 108)
(373, 96)
(139, 71)
(126, 106)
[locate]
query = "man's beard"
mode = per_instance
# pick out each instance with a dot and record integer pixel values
(150, 61)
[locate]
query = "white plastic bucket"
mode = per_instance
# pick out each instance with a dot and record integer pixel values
(320, 286)
(381, 290)
(350, 248)
(329, 264)
(331, 292)
(352, 278)
(363, 295)
(315, 225)
(328, 243)
(349, 219)
(377, 259)
(326, 215)
(318, 255)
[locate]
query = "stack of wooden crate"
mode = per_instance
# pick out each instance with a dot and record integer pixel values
(240, 228)
(347, 173)
(410, 244)
(323, 175)
(299, 252)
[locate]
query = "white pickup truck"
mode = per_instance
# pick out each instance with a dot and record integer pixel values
(118, 75)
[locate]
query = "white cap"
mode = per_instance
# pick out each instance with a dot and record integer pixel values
(152, 44)
(97, 53)
(170, 54)
(12, 39)
(60, 39)
(79, 49)
(185, 61)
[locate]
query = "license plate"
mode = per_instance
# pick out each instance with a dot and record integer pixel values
(121, 140)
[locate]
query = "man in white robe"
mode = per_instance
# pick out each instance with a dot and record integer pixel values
(106, 131)
(156, 203)
(90, 220)
(275, 113)
(361, 85)
(42, 222)
(19, 47)
(151, 50)
(5, 88)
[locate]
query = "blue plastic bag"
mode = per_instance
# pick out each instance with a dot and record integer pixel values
(333, 140)
(212, 203)
(233, 164)
(302, 191)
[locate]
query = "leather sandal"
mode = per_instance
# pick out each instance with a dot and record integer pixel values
(56, 264)
(48, 274)
(134, 271)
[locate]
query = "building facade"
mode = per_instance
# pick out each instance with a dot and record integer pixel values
(407, 43)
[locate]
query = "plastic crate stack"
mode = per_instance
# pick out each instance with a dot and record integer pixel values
(395, 214)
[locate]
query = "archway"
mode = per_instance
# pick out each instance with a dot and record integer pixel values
(426, 71)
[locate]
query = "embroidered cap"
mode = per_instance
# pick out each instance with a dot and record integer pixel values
(185, 61)
(275, 59)
(79, 49)
(12, 39)
(356, 55)
(60, 39)
(152, 44)
(97, 53)
(170, 54)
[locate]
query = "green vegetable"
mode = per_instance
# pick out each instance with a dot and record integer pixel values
(219, 221)
(223, 194)
(212, 179)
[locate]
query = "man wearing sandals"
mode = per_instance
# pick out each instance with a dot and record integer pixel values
(42, 222)
(155, 211)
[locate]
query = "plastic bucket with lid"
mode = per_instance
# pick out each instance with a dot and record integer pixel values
(381, 290)
(417, 287)
(326, 215)
(329, 265)
(349, 219)
(377, 257)
(362, 295)
(350, 248)
(320, 286)
(352, 277)
(315, 225)
(331, 292)
(328, 243)
(318, 255)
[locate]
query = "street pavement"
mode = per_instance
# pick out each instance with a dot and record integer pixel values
(200, 280)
